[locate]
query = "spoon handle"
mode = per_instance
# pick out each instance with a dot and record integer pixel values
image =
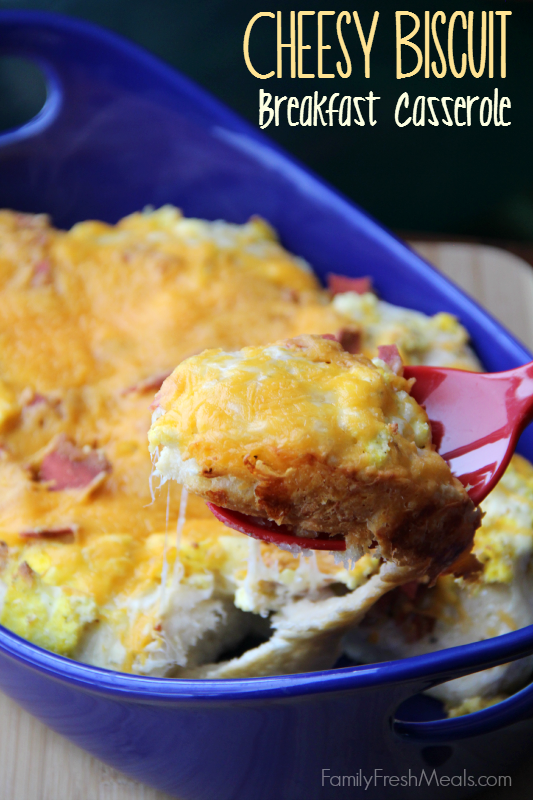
(520, 397)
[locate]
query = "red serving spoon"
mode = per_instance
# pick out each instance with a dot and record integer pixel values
(476, 419)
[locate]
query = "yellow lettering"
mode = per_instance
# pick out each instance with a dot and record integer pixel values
(366, 44)
(491, 44)
(482, 58)
(292, 46)
(322, 46)
(344, 74)
(450, 44)
(426, 44)
(503, 55)
(246, 44)
(405, 40)
(442, 16)
(301, 45)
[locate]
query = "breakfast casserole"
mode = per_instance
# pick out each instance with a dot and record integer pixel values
(102, 564)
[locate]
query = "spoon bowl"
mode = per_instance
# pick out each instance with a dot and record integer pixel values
(268, 531)
(476, 420)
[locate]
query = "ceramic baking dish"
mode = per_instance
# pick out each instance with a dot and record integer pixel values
(121, 130)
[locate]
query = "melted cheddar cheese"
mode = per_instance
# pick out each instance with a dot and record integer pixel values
(219, 407)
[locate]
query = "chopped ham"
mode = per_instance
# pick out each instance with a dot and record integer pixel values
(390, 355)
(151, 384)
(37, 399)
(350, 340)
(42, 273)
(155, 402)
(154, 382)
(50, 533)
(71, 467)
(37, 221)
(338, 284)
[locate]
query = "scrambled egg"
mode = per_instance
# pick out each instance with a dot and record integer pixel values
(505, 540)
(438, 341)
(171, 593)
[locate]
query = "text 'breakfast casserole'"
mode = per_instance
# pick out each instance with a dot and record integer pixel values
(94, 567)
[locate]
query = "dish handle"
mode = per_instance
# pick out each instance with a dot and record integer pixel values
(517, 707)
(21, 39)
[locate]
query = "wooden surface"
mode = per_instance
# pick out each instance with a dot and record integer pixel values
(500, 281)
(37, 764)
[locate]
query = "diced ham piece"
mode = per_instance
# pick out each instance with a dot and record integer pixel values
(338, 284)
(390, 355)
(37, 399)
(155, 402)
(154, 382)
(151, 384)
(31, 220)
(350, 340)
(71, 467)
(42, 273)
(51, 533)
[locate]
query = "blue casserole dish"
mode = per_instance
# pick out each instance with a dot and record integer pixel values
(121, 130)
